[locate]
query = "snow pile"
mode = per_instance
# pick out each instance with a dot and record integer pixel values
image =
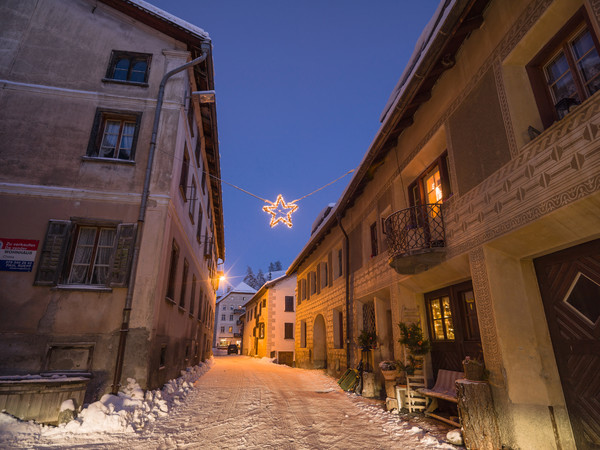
(394, 426)
(266, 360)
(129, 411)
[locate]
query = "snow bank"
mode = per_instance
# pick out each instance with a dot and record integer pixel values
(129, 411)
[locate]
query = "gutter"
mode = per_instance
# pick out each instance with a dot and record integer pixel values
(347, 276)
(142, 217)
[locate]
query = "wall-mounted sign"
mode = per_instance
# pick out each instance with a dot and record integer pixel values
(17, 255)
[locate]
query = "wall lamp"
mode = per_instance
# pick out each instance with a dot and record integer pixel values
(205, 96)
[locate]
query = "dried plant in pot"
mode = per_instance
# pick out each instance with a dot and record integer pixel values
(474, 369)
(389, 370)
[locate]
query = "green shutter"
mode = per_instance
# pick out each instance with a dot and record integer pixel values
(123, 254)
(53, 253)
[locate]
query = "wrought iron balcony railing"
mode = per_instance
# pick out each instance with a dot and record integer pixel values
(415, 238)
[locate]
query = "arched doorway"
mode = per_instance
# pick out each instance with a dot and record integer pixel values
(319, 343)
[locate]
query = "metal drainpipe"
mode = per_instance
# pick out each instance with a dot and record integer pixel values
(142, 216)
(347, 273)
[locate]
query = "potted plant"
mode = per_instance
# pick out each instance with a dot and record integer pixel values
(412, 336)
(389, 370)
(367, 340)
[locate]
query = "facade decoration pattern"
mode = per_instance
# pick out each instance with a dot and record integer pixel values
(487, 319)
(503, 100)
(546, 176)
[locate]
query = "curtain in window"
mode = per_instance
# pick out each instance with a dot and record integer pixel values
(110, 139)
(126, 141)
(83, 255)
(106, 243)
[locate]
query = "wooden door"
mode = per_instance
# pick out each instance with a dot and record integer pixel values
(453, 327)
(570, 286)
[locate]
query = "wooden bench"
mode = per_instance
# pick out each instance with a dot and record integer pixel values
(444, 389)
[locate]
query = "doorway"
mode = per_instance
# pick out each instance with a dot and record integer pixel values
(453, 327)
(319, 343)
(569, 283)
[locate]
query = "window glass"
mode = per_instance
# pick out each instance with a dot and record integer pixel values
(138, 71)
(121, 69)
(440, 313)
(92, 254)
(587, 60)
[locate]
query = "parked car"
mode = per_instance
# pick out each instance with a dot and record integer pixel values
(232, 348)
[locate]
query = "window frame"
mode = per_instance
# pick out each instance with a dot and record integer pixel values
(289, 303)
(288, 330)
(442, 163)
(55, 264)
(183, 176)
(559, 42)
(101, 117)
(171, 280)
(116, 56)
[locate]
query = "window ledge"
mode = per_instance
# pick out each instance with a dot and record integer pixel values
(81, 287)
(125, 82)
(169, 300)
(181, 309)
(107, 160)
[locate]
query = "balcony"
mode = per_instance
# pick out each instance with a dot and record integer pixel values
(416, 238)
(239, 311)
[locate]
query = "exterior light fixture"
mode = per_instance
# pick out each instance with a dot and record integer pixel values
(205, 96)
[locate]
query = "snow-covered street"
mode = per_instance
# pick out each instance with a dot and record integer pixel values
(243, 402)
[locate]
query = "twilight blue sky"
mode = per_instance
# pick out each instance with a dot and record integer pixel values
(300, 86)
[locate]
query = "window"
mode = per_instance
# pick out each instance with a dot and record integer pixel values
(128, 67)
(114, 135)
(199, 228)
(184, 282)
(224, 309)
(338, 329)
(324, 274)
(231, 317)
(289, 303)
(303, 333)
(312, 281)
(222, 329)
(193, 295)
(162, 361)
(288, 331)
(440, 315)
(264, 303)
(340, 267)
(261, 330)
(183, 177)
(433, 185)
(373, 234)
(100, 253)
(203, 183)
(567, 70)
(230, 329)
(172, 271)
(199, 153)
(222, 317)
(192, 199)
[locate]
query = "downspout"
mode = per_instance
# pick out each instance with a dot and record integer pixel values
(142, 216)
(347, 273)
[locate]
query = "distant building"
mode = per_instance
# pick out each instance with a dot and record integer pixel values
(269, 321)
(228, 328)
(79, 90)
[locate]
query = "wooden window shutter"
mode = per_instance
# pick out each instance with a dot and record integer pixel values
(318, 278)
(299, 291)
(53, 252)
(330, 269)
(123, 254)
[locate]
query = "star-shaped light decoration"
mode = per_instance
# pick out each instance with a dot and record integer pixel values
(280, 211)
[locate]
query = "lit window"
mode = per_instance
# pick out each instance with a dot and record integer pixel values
(441, 318)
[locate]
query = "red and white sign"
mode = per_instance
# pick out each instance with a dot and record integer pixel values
(17, 255)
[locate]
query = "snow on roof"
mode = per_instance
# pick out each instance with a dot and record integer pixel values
(421, 48)
(321, 217)
(180, 23)
(243, 287)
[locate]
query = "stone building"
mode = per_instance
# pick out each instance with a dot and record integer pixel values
(229, 309)
(475, 212)
(269, 321)
(80, 87)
